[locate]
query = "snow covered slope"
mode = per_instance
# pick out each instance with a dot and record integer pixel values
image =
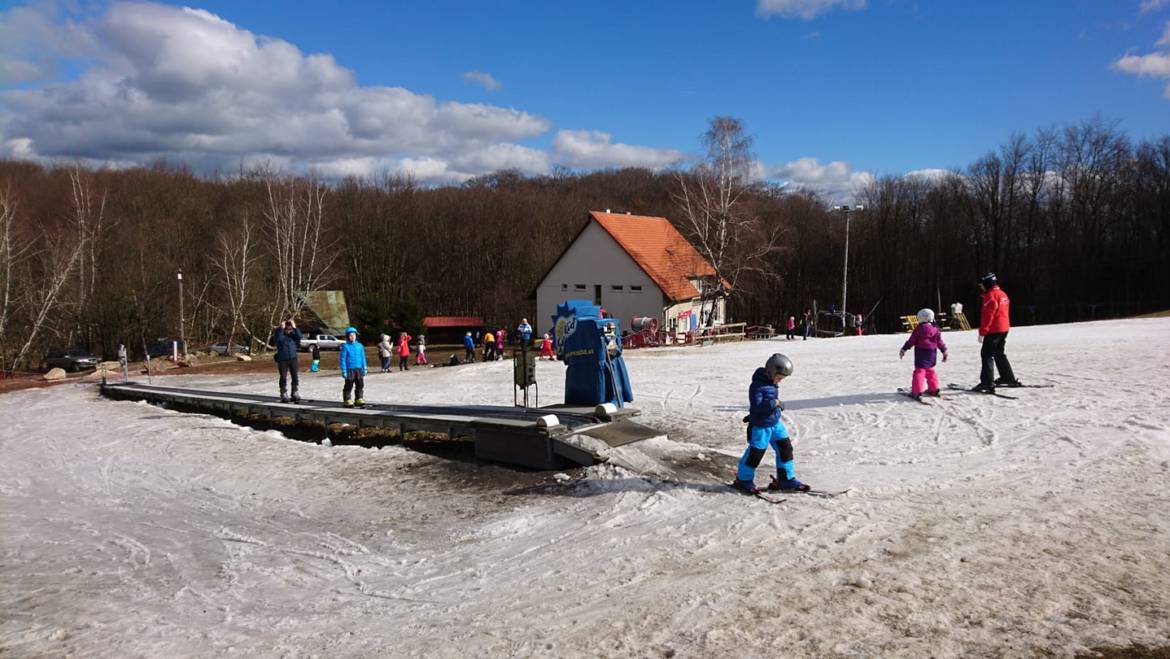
(975, 526)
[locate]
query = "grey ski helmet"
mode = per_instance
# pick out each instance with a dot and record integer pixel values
(778, 364)
(988, 280)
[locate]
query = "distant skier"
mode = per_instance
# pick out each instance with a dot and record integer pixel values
(489, 346)
(927, 341)
(525, 332)
(353, 368)
(791, 327)
(421, 358)
(403, 351)
(469, 346)
(315, 351)
(500, 343)
(385, 352)
(546, 349)
(994, 325)
(766, 429)
(807, 323)
(287, 339)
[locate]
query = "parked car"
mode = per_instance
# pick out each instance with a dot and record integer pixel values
(221, 349)
(164, 348)
(323, 341)
(74, 359)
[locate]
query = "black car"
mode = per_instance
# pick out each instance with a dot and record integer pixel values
(74, 359)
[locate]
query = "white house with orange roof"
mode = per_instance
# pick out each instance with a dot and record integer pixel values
(633, 266)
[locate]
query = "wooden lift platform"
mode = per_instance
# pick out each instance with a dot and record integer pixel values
(551, 437)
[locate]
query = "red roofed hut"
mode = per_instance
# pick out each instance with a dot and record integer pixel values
(450, 329)
(635, 266)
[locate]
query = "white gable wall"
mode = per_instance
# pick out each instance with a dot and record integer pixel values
(596, 259)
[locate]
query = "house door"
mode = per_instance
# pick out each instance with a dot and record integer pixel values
(597, 294)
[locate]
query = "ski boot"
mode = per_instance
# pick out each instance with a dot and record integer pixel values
(1004, 382)
(283, 397)
(933, 393)
(787, 485)
(984, 388)
(747, 487)
(296, 398)
(360, 402)
(349, 403)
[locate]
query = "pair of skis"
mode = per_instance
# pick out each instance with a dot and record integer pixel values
(962, 389)
(823, 494)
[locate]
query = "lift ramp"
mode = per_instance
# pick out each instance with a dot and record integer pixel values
(551, 437)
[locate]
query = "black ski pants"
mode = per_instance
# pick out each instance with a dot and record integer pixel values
(354, 380)
(288, 369)
(993, 355)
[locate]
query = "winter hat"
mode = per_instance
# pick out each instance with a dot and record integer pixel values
(925, 316)
(351, 330)
(988, 280)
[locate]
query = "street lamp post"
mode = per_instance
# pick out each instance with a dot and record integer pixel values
(182, 325)
(847, 211)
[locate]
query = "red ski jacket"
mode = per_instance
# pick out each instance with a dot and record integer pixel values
(994, 317)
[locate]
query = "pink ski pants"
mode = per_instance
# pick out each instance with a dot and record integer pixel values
(924, 380)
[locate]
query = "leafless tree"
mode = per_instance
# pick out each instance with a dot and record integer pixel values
(88, 218)
(12, 252)
(234, 262)
(722, 226)
(302, 253)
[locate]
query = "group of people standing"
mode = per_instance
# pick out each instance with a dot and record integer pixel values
(493, 343)
(387, 349)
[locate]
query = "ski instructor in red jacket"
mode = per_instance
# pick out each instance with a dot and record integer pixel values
(993, 330)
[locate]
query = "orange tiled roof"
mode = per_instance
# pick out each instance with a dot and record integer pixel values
(659, 249)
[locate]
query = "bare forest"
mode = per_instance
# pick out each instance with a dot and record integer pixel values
(1075, 220)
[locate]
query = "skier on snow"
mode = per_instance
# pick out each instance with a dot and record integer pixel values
(353, 367)
(994, 325)
(766, 429)
(927, 341)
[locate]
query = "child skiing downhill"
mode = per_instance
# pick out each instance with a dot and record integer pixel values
(927, 341)
(353, 368)
(766, 429)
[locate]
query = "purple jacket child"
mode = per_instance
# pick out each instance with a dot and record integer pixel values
(927, 341)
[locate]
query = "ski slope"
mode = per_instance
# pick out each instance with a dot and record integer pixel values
(975, 526)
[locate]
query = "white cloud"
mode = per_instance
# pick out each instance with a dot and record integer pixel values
(1154, 65)
(1153, 5)
(187, 85)
(482, 79)
(807, 9)
(929, 173)
(590, 149)
(835, 180)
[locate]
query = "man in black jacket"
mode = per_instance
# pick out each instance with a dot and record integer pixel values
(287, 339)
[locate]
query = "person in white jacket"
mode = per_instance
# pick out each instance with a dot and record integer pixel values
(385, 351)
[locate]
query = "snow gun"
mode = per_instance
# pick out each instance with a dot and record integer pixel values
(591, 348)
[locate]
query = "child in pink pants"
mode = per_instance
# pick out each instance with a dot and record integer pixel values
(927, 341)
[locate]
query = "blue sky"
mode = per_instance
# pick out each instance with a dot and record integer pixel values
(881, 87)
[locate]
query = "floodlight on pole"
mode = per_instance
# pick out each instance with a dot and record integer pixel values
(847, 211)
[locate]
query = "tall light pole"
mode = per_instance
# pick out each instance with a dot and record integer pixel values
(182, 326)
(847, 211)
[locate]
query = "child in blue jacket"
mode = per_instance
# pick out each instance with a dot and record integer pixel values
(766, 429)
(353, 367)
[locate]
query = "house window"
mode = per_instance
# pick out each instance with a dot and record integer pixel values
(564, 287)
(578, 287)
(635, 289)
(617, 287)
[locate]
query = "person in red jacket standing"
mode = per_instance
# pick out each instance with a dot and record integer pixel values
(993, 330)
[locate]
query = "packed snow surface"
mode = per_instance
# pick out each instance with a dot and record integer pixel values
(975, 526)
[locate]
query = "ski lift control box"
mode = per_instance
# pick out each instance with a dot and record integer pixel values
(591, 348)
